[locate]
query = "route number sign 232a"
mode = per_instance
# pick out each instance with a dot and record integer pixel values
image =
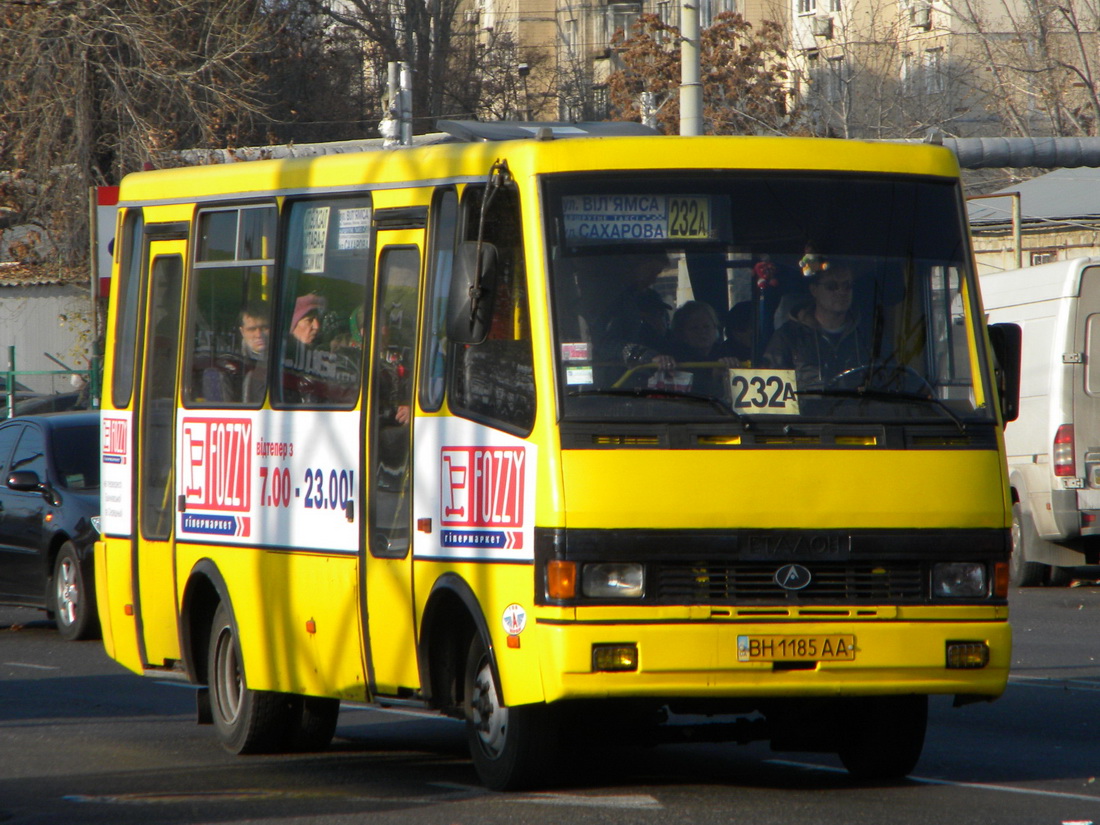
(764, 391)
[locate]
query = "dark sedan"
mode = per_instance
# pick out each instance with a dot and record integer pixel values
(49, 511)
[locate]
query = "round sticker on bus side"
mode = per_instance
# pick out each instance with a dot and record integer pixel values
(514, 619)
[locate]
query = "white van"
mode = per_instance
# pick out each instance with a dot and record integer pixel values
(1054, 444)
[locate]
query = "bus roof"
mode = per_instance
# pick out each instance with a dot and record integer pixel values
(432, 164)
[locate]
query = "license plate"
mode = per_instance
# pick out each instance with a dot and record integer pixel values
(838, 648)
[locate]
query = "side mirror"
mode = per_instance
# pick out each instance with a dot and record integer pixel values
(1007, 342)
(25, 481)
(473, 285)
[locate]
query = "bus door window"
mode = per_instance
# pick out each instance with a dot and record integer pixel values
(321, 332)
(444, 222)
(391, 400)
(126, 317)
(159, 397)
(494, 381)
(230, 318)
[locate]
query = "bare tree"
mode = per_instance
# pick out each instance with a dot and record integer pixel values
(417, 32)
(91, 89)
(494, 78)
(1042, 62)
(744, 75)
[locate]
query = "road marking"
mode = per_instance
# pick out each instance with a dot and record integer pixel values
(32, 666)
(632, 802)
(1051, 683)
(627, 801)
(924, 780)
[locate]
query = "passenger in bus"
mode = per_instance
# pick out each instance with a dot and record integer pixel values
(695, 337)
(393, 405)
(738, 326)
(255, 328)
(823, 337)
(305, 323)
(634, 329)
(235, 378)
(300, 362)
(349, 342)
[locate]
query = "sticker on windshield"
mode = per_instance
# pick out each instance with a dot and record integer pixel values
(636, 217)
(764, 391)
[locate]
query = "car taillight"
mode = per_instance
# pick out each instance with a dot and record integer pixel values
(1064, 464)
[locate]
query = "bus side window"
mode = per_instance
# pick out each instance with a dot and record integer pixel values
(228, 316)
(494, 381)
(321, 332)
(444, 222)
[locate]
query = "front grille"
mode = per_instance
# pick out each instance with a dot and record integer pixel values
(754, 582)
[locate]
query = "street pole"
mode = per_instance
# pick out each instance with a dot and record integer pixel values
(691, 98)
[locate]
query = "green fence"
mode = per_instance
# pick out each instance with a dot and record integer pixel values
(18, 398)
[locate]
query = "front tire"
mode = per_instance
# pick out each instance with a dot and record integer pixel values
(883, 737)
(246, 721)
(1021, 572)
(512, 747)
(73, 603)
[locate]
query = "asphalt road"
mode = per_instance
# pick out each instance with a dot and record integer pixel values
(84, 741)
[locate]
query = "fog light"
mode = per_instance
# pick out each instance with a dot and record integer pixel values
(613, 580)
(967, 655)
(615, 657)
(959, 580)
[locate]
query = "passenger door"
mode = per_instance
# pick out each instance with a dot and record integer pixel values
(390, 604)
(154, 562)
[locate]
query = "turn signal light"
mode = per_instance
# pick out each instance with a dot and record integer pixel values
(561, 579)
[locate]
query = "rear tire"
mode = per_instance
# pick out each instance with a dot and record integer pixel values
(246, 721)
(1021, 572)
(71, 600)
(883, 737)
(512, 747)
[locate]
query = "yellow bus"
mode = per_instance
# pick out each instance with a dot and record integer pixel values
(456, 427)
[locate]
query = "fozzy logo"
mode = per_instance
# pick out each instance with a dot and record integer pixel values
(116, 440)
(483, 487)
(217, 463)
(483, 492)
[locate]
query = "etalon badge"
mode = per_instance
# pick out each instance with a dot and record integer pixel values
(792, 577)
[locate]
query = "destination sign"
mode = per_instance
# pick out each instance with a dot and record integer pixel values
(636, 217)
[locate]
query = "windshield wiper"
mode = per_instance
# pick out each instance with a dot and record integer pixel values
(884, 395)
(649, 392)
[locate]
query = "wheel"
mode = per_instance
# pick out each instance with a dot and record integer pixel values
(73, 603)
(512, 747)
(883, 737)
(1021, 572)
(246, 721)
(312, 723)
(1059, 576)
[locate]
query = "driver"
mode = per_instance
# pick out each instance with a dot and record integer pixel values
(823, 337)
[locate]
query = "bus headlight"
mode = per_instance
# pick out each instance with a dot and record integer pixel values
(959, 580)
(613, 580)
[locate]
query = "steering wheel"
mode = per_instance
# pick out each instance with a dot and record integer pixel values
(897, 377)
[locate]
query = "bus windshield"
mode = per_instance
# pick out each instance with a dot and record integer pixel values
(763, 295)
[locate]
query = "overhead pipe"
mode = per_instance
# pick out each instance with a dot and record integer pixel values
(1001, 152)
